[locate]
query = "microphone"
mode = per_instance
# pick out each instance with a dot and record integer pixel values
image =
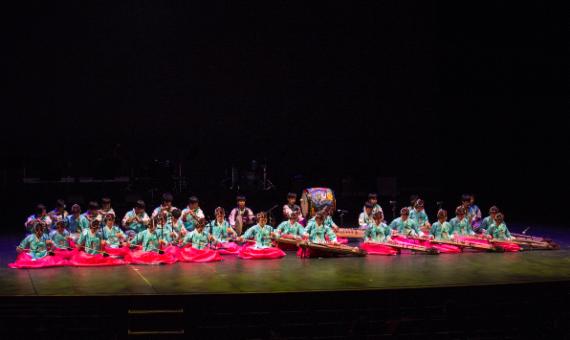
(342, 211)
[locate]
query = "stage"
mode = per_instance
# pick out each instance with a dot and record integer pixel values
(297, 286)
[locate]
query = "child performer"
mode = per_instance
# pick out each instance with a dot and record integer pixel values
(262, 233)
(365, 218)
(33, 251)
(499, 231)
(404, 225)
(61, 241)
(441, 230)
(195, 245)
(419, 216)
(460, 225)
(290, 229)
(474, 212)
(92, 212)
(489, 220)
(39, 216)
(376, 233)
(373, 200)
(177, 225)
(241, 217)
(76, 222)
(192, 213)
(58, 213)
(114, 237)
(292, 206)
(165, 208)
(106, 208)
(319, 231)
(150, 244)
(136, 220)
(92, 243)
(223, 233)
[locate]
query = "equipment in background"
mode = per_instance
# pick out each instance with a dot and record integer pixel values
(315, 199)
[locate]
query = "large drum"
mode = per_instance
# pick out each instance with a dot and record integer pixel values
(315, 199)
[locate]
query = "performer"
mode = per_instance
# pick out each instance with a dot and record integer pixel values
(241, 217)
(498, 230)
(291, 228)
(488, 221)
(365, 218)
(262, 234)
(460, 223)
(165, 208)
(62, 244)
(93, 254)
(292, 206)
(92, 212)
(58, 213)
(196, 245)
(177, 226)
(33, 251)
(404, 225)
(106, 208)
(441, 230)
(373, 200)
(192, 213)
(136, 220)
(413, 199)
(76, 222)
(419, 216)
(150, 246)
(319, 231)
(40, 215)
(376, 233)
(115, 239)
(223, 233)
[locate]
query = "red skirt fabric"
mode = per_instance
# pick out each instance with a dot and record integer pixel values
(252, 253)
(151, 257)
(82, 259)
(190, 254)
(378, 249)
(66, 254)
(508, 246)
(228, 248)
(342, 240)
(123, 252)
(24, 260)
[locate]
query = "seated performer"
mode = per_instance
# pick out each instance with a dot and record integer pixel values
(106, 208)
(498, 230)
(404, 225)
(413, 199)
(58, 213)
(177, 225)
(92, 243)
(39, 216)
(488, 221)
(262, 234)
(165, 208)
(474, 212)
(441, 230)
(319, 231)
(136, 220)
(365, 218)
(150, 247)
(115, 239)
(192, 213)
(92, 212)
(196, 245)
(60, 237)
(33, 251)
(292, 206)
(291, 228)
(373, 200)
(76, 222)
(376, 233)
(460, 225)
(223, 233)
(419, 216)
(241, 217)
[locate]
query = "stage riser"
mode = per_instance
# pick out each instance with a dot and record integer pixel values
(483, 312)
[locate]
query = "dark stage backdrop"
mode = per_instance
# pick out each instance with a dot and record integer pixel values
(439, 100)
